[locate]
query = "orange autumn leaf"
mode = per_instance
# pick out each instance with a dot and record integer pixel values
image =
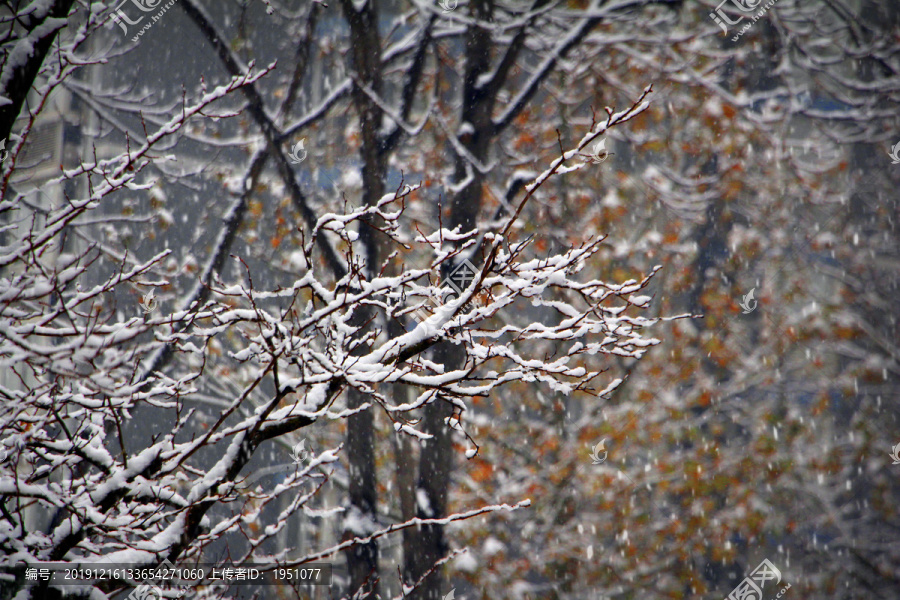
(480, 470)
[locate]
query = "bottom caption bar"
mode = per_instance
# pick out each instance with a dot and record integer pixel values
(58, 573)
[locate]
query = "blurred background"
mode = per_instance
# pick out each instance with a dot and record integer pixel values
(762, 180)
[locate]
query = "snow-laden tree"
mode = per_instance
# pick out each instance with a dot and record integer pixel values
(764, 433)
(143, 373)
(405, 86)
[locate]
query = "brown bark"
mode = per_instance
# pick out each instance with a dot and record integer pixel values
(478, 104)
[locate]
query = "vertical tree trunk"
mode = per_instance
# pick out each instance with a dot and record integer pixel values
(365, 58)
(436, 457)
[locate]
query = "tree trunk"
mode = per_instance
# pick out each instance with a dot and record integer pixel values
(365, 62)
